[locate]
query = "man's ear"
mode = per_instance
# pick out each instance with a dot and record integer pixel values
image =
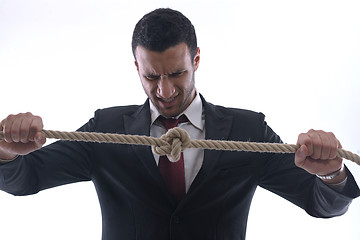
(197, 59)
(137, 65)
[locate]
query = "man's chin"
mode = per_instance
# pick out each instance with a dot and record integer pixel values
(168, 109)
(169, 112)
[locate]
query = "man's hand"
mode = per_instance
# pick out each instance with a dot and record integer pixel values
(22, 135)
(318, 154)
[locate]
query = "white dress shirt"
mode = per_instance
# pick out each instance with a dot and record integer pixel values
(193, 158)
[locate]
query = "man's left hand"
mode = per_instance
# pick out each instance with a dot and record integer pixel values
(318, 154)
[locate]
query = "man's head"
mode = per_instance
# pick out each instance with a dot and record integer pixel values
(164, 28)
(166, 58)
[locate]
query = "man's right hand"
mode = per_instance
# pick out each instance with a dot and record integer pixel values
(22, 135)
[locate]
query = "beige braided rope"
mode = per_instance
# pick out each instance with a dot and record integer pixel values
(176, 140)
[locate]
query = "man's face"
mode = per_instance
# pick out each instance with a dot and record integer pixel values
(168, 77)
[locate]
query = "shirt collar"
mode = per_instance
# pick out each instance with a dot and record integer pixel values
(194, 112)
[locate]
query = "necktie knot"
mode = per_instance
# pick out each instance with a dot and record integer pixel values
(172, 122)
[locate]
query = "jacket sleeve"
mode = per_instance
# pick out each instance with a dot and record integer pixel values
(56, 164)
(280, 175)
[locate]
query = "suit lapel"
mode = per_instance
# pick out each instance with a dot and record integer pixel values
(217, 127)
(139, 124)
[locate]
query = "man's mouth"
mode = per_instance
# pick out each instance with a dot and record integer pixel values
(167, 102)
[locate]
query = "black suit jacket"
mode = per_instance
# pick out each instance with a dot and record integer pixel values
(134, 199)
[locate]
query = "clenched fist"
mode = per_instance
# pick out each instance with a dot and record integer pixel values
(22, 135)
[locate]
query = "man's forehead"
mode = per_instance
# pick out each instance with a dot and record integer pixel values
(171, 60)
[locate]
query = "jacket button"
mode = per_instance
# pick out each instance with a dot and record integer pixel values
(176, 219)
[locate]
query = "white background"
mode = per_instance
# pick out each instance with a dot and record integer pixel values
(296, 61)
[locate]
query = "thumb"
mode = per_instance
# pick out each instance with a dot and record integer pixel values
(300, 155)
(39, 140)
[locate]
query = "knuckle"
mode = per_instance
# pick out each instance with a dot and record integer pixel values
(302, 135)
(321, 132)
(37, 118)
(331, 134)
(37, 122)
(315, 132)
(14, 136)
(311, 130)
(24, 140)
(10, 117)
(303, 138)
(28, 114)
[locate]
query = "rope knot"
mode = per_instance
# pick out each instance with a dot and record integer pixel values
(177, 140)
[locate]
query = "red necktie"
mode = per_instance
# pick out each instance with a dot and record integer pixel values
(173, 172)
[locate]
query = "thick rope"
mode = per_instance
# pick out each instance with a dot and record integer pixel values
(176, 140)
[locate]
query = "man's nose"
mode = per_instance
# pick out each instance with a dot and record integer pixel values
(166, 88)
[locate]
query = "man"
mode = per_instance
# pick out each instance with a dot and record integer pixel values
(138, 199)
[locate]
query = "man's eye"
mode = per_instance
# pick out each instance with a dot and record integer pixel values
(176, 74)
(152, 77)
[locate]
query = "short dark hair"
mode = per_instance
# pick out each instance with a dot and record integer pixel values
(164, 28)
